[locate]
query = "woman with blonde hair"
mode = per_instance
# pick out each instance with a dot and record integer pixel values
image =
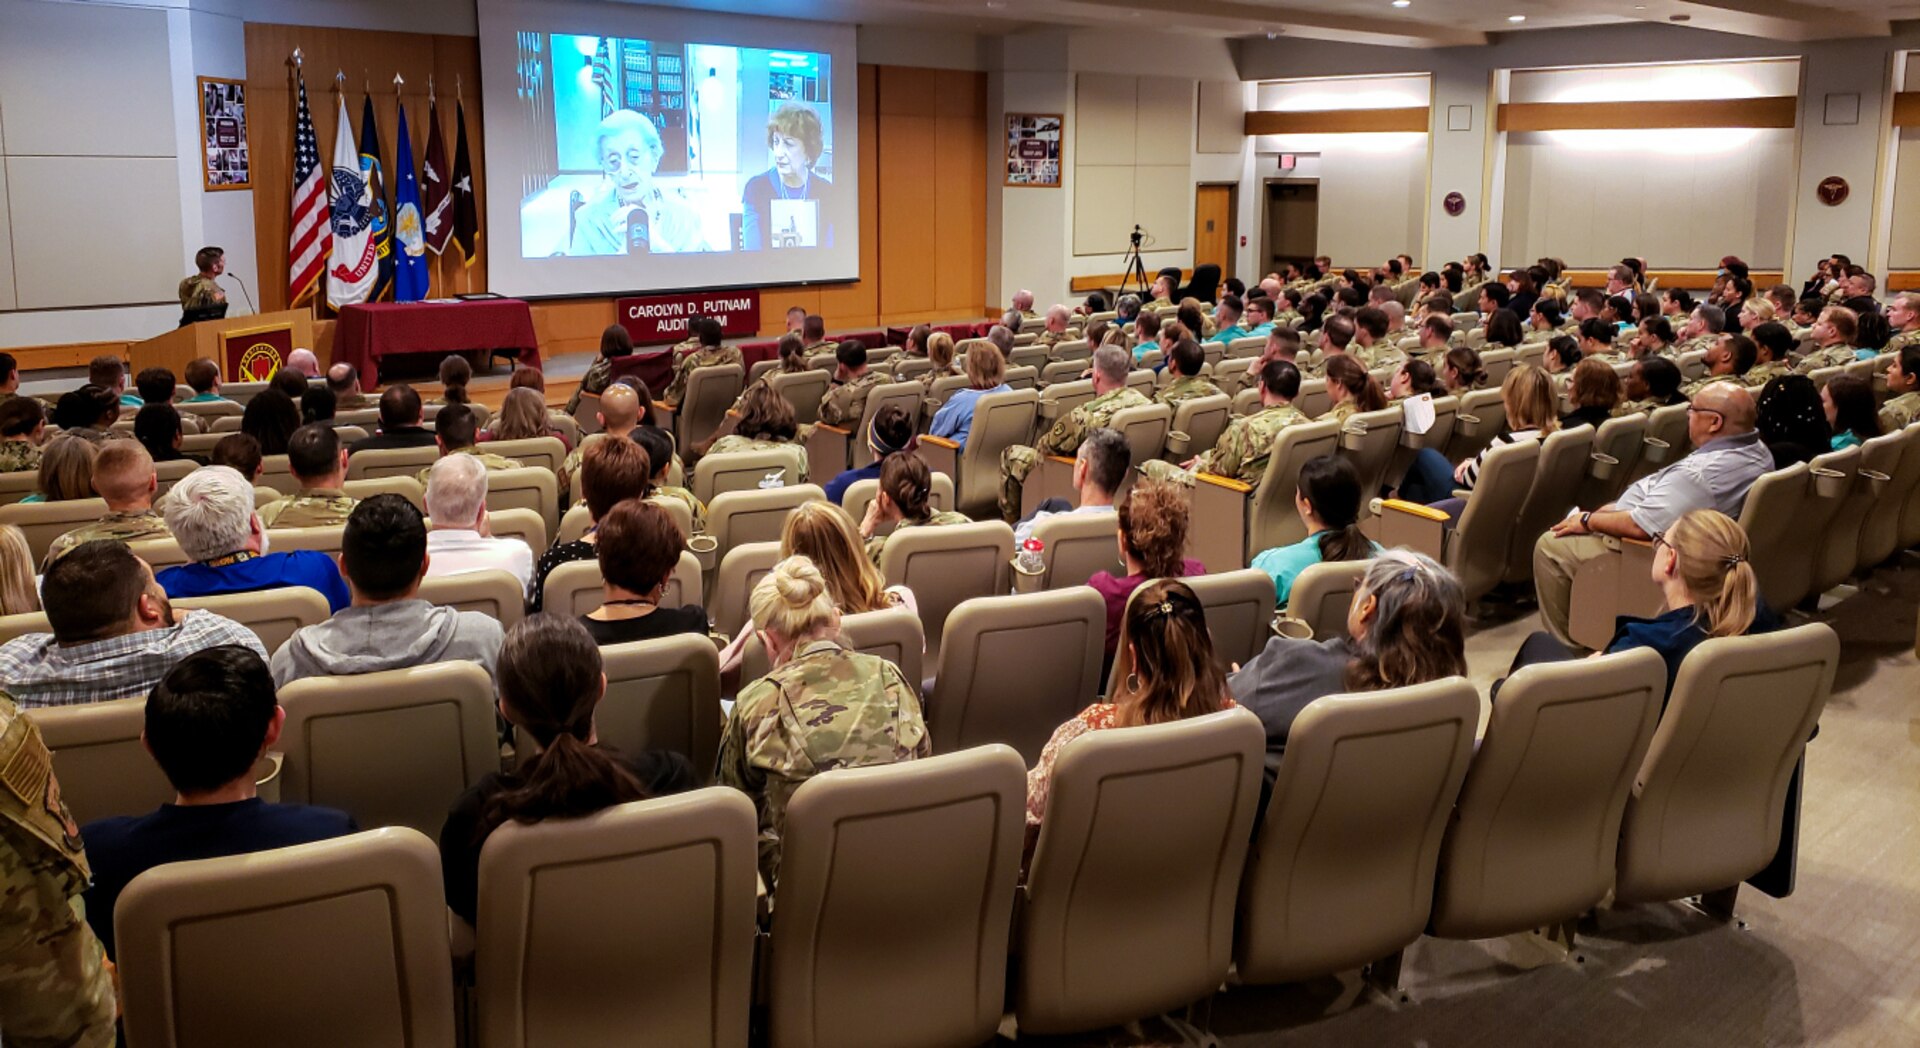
(821, 706)
(18, 593)
(1174, 677)
(66, 470)
(1527, 394)
(986, 373)
(940, 352)
(523, 416)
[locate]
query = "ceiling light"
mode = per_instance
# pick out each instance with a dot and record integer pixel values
(1516, 18)
(1403, 3)
(996, 4)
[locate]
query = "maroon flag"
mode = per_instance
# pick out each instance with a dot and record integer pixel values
(466, 215)
(435, 185)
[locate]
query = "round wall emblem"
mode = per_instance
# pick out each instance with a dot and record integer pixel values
(1454, 203)
(259, 362)
(1832, 190)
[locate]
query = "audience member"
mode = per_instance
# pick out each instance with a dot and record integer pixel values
(66, 470)
(1112, 395)
(210, 513)
(318, 405)
(1903, 390)
(159, 429)
(388, 626)
(619, 414)
(891, 430)
(303, 361)
(319, 465)
(1792, 420)
(550, 680)
(638, 546)
(940, 355)
(710, 353)
(845, 401)
(290, 380)
(905, 500)
(124, 478)
(456, 429)
(1527, 396)
(765, 423)
(23, 428)
(88, 413)
(1833, 335)
(1099, 468)
(1594, 394)
(462, 539)
(1152, 526)
(208, 723)
(1328, 502)
(455, 374)
(523, 416)
(1653, 383)
(1184, 362)
(270, 418)
(1848, 403)
(821, 706)
(615, 343)
(986, 374)
(399, 422)
(659, 448)
(240, 453)
(1351, 388)
(19, 582)
(1412, 379)
(203, 377)
(344, 381)
(110, 373)
(114, 632)
(1462, 370)
(611, 472)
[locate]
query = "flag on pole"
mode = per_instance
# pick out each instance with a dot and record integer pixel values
(466, 216)
(433, 178)
(309, 237)
(377, 184)
(410, 276)
(354, 265)
(603, 77)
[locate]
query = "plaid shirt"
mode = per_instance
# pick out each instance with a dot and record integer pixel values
(38, 671)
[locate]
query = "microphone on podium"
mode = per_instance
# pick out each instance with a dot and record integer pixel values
(243, 290)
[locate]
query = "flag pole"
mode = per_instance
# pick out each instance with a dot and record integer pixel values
(298, 61)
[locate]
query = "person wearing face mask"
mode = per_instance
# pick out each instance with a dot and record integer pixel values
(211, 515)
(631, 213)
(795, 140)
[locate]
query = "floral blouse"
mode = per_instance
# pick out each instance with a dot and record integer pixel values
(1099, 716)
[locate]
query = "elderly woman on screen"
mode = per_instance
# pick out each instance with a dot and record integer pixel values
(630, 213)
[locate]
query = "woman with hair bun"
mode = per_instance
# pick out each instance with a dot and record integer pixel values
(821, 706)
(905, 501)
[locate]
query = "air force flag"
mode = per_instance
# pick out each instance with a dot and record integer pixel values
(352, 269)
(410, 277)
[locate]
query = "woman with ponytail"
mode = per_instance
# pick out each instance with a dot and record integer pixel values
(820, 707)
(549, 680)
(1462, 370)
(1350, 388)
(1174, 677)
(1328, 501)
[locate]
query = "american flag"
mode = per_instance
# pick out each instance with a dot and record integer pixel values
(603, 76)
(310, 238)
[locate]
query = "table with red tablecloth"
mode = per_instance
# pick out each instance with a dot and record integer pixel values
(367, 332)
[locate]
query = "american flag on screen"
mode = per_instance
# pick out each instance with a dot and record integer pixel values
(310, 237)
(603, 76)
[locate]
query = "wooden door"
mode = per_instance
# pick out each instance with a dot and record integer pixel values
(1213, 227)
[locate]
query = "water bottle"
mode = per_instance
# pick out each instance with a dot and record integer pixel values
(776, 479)
(1031, 561)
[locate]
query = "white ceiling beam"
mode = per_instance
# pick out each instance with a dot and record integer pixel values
(1233, 18)
(1774, 19)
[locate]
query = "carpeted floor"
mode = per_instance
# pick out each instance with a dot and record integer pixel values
(1836, 963)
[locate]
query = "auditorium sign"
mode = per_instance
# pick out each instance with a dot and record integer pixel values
(666, 318)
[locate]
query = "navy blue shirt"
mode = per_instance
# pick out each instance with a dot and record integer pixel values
(301, 567)
(1675, 633)
(837, 487)
(126, 846)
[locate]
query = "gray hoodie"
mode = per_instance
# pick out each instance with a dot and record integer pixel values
(387, 637)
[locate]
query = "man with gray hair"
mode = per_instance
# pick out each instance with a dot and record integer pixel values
(1023, 305)
(1099, 467)
(1703, 329)
(461, 541)
(1111, 395)
(1055, 331)
(1002, 338)
(211, 515)
(1126, 310)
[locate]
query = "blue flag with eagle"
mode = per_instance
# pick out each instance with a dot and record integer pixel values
(410, 278)
(377, 187)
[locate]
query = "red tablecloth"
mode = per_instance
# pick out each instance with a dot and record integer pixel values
(367, 332)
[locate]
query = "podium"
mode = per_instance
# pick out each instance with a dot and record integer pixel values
(248, 348)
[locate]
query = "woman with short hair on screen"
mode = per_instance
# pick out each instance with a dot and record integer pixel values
(630, 213)
(795, 142)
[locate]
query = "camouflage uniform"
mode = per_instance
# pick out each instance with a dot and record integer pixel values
(1017, 461)
(827, 708)
(127, 526)
(311, 508)
(1286, 318)
(1899, 341)
(1028, 316)
(18, 456)
(1381, 354)
(1692, 387)
(200, 292)
(1049, 339)
(1828, 357)
(843, 402)
(362, 402)
(1697, 342)
(945, 518)
(695, 508)
(1900, 412)
(598, 377)
(1185, 388)
(1761, 374)
(492, 461)
(1242, 451)
(828, 346)
(736, 442)
(683, 371)
(55, 986)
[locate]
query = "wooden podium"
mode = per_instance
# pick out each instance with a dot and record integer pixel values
(225, 341)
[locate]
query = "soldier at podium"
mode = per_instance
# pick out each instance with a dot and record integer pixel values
(199, 292)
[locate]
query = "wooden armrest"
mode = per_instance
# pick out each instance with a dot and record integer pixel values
(1224, 482)
(668, 408)
(940, 442)
(843, 431)
(1414, 508)
(1062, 459)
(1642, 543)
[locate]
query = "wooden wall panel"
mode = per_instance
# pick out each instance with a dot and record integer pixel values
(858, 303)
(1774, 111)
(960, 215)
(1337, 121)
(368, 58)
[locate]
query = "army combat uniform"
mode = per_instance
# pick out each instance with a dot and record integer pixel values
(18, 456)
(1185, 388)
(200, 292)
(826, 708)
(1900, 412)
(55, 985)
(493, 462)
(1242, 451)
(1017, 461)
(1828, 357)
(311, 508)
(843, 403)
(683, 370)
(1761, 374)
(942, 519)
(127, 526)
(1900, 341)
(736, 442)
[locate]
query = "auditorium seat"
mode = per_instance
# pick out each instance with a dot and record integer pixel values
(348, 435)
(392, 748)
(1232, 520)
(1909, 529)
(1023, 377)
(523, 524)
(738, 517)
(1341, 873)
(661, 695)
(575, 588)
(494, 593)
(1241, 348)
(1497, 363)
(1313, 401)
(946, 565)
(943, 387)
(1534, 834)
(938, 838)
(1075, 545)
(209, 409)
(1196, 426)
(1239, 611)
(893, 634)
(1077, 349)
(1012, 669)
(225, 424)
(1767, 516)
(1565, 458)
(803, 390)
(1368, 440)
(1482, 415)
(1058, 401)
(390, 462)
(710, 392)
(339, 942)
(1891, 524)
(1482, 541)
(1062, 371)
(1707, 809)
(406, 487)
(1163, 813)
(167, 474)
(741, 568)
(276, 473)
(200, 443)
(1000, 420)
(744, 470)
(1028, 355)
(1829, 479)
(1617, 446)
(832, 450)
(18, 485)
(42, 522)
(905, 367)
(1145, 430)
(1838, 555)
(530, 488)
(546, 453)
(103, 767)
(1322, 596)
(359, 417)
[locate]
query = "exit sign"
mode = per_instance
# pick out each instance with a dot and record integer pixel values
(1288, 161)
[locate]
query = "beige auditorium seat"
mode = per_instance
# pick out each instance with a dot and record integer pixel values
(1830, 478)
(1058, 401)
(406, 487)
(741, 568)
(801, 389)
(1534, 834)
(1369, 440)
(1482, 415)
(601, 963)
(1565, 458)
(736, 518)
(575, 523)
(1707, 807)
(1246, 347)
(546, 453)
(1073, 349)
(893, 634)
(103, 767)
(1908, 533)
(18, 485)
(1322, 595)
(1232, 521)
(326, 539)
(225, 424)
(1129, 900)
(905, 367)
(1000, 420)
(1145, 430)
(1076, 545)
(569, 430)
(392, 748)
(263, 495)
(1666, 441)
(494, 593)
(1341, 872)
(710, 392)
(160, 553)
(167, 474)
(1891, 523)
(277, 473)
(939, 838)
(663, 695)
(1313, 401)
(524, 524)
(946, 565)
(1614, 584)
(42, 522)
(1023, 377)
(273, 615)
(531, 488)
(745, 470)
(937, 394)
(1768, 517)
(1239, 608)
(1062, 371)
(1497, 362)
(1012, 669)
(207, 409)
(1617, 446)
(1197, 425)
(1028, 356)
(575, 588)
(390, 462)
(861, 492)
(361, 417)
(1479, 546)
(1838, 554)
(335, 943)
(831, 450)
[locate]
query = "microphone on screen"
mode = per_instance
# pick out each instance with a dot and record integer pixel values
(639, 237)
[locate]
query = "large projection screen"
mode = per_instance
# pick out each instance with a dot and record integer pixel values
(639, 148)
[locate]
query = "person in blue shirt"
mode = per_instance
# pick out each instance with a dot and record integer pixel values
(211, 515)
(986, 373)
(208, 722)
(1328, 501)
(1226, 320)
(890, 431)
(109, 371)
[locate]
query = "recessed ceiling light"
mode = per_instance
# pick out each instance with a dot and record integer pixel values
(1403, 3)
(996, 4)
(1516, 18)
(1639, 7)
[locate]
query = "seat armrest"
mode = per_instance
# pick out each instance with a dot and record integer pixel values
(669, 409)
(940, 442)
(1416, 509)
(1414, 526)
(1065, 460)
(829, 427)
(1228, 483)
(266, 775)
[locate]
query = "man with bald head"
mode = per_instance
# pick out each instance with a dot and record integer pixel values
(122, 476)
(619, 414)
(1023, 305)
(1055, 331)
(1727, 458)
(344, 380)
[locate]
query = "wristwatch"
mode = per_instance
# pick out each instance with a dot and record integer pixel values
(1586, 522)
